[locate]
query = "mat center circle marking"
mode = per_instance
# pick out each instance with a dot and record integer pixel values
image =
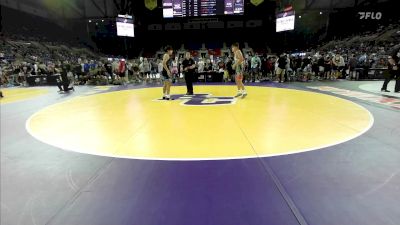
(131, 124)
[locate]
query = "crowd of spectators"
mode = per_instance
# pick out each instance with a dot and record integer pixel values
(31, 62)
(358, 57)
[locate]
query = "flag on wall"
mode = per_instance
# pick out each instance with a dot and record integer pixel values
(150, 4)
(256, 2)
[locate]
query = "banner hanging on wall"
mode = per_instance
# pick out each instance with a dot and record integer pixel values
(256, 2)
(150, 4)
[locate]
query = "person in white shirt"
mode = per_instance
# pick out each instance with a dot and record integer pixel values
(160, 66)
(146, 68)
(201, 66)
(35, 68)
(141, 69)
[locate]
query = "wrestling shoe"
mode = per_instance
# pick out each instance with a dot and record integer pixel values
(238, 95)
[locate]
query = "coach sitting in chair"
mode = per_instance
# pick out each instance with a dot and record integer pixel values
(64, 82)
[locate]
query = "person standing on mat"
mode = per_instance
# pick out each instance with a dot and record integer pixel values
(393, 67)
(188, 66)
(396, 57)
(238, 67)
(166, 73)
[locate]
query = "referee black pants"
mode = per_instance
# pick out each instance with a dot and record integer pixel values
(386, 82)
(64, 86)
(392, 74)
(189, 82)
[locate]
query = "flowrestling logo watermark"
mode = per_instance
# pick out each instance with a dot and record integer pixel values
(202, 100)
(370, 15)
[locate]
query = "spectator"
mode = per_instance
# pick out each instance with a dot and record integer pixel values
(352, 67)
(121, 70)
(327, 68)
(146, 68)
(65, 83)
(255, 68)
(337, 66)
(281, 67)
(321, 66)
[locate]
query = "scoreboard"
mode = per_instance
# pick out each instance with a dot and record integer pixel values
(194, 8)
(285, 21)
(125, 27)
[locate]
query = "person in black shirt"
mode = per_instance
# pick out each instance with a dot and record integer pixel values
(321, 66)
(64, 83)
(78, 70)
(397, 72)
(280, 71)
(188, 66)
(394, 72)
(108, 68)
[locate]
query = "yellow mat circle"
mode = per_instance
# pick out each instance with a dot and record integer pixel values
(132, 124)
(20, 94)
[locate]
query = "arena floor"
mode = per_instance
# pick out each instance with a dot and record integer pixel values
(323, 153)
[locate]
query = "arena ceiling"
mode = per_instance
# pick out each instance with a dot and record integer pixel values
(109, 8)
(69, 9)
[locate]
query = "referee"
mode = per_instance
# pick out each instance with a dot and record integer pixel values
(189, 66)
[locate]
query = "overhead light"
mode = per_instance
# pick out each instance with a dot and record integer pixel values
(300, 17)
(320, 13)
(90, 21)
(102, 20)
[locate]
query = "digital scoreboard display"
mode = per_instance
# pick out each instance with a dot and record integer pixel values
(194, 8)
(125, 27)
(285, 21)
